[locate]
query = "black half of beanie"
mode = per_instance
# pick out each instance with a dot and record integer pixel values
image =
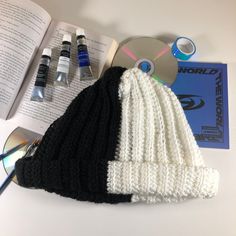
(72, 158)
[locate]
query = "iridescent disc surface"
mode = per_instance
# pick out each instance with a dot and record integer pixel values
(151, 56)
(18, 136)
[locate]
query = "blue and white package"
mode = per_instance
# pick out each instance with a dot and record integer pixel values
(203, 93)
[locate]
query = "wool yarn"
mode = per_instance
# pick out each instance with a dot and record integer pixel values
(123, 139)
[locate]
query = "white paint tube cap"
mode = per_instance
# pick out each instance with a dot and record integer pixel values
(79, 32)
(47, 52)
(66, 38)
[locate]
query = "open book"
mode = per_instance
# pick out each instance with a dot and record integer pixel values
(25, 30)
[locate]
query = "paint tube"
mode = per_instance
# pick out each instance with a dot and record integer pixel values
(64, 62)
(83, 56)
(41, 79)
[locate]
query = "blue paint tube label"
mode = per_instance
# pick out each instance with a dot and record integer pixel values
(83, 56)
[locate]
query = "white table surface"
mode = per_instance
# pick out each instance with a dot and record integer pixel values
(212, 25)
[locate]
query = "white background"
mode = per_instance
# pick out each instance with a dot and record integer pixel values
(212, 25)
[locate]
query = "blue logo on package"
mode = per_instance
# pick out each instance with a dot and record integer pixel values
(190, 101)
(202, 90)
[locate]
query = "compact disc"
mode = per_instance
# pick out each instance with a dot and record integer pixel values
(18, 136)
(151, 56)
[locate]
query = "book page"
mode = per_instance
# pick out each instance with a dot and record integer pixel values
(23, 25)
(38, 116)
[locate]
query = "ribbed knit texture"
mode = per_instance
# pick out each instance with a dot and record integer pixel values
(157, 158)
(72, 157)
(123, 139)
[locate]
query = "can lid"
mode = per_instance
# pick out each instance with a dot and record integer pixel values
(79, 32)
(67, 38)
(47, 52)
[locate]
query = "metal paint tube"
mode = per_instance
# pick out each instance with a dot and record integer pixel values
(83, 56)
(42, 75)
(64, 63)
(183, 48)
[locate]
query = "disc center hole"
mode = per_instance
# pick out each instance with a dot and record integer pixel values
(145, 65)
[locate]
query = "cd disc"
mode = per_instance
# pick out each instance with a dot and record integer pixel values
(18, 136)
(151, 56)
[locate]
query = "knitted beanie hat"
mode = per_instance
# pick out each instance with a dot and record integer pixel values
(123, 139)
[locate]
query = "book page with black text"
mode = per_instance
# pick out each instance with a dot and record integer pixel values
(37, 116)
(23, 25)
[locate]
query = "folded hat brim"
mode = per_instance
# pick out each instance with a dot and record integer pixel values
(168, 182)
(67, 177)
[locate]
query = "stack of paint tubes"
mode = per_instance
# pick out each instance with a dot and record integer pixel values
(62, 75)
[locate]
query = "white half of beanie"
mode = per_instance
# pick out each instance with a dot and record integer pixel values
(157, 157)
